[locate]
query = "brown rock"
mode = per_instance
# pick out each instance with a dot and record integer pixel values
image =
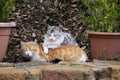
(60, 72)
(116, 72)
(54, 75)
(103, 73)
(12, 74)
(34, 74)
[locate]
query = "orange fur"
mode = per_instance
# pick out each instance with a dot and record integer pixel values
(66, 52)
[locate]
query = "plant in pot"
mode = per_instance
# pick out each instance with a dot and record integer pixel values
(103, 19)
(5, 27)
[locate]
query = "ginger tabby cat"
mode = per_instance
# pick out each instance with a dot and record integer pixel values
(69, 53)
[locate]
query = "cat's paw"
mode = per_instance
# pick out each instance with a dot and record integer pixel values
(45, 49)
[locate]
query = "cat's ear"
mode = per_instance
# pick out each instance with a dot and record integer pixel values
(35, 42)
(58, 29)
(22, 43)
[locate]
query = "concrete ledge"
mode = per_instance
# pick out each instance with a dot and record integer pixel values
(97, 70)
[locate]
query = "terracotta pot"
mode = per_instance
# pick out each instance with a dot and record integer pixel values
(104, 45)
(5, 29)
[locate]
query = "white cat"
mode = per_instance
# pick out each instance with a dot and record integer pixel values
(56, 37)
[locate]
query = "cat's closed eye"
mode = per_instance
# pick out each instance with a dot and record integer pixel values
(35, 50)
(48, 34)
(56, 35)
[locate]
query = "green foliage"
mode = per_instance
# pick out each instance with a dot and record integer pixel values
(5, 9)
(102, 15)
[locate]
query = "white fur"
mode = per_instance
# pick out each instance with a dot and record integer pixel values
(52, 44)
(45, 49)
(52, 37)
(83, 58)
(35, 56)
(28, 52)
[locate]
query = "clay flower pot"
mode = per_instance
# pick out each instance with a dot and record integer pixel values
(104, 45)
(5, 28)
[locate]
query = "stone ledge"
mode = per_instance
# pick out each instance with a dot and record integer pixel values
(97, 70)
(10, 73)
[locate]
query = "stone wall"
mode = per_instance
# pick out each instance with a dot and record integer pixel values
(97, 70)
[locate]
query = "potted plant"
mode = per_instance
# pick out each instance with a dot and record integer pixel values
(103, 19)
(5, 27)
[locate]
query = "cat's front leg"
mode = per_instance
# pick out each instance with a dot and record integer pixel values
(45, 49)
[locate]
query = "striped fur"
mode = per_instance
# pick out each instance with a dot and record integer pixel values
(70, 53)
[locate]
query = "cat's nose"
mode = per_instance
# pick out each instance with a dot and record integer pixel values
(52, 39)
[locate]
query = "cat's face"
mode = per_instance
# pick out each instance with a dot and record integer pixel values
(29, 49)
(53, 33)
